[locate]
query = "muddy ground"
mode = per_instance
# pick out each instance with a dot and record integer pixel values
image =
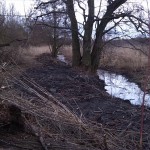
(84, 94)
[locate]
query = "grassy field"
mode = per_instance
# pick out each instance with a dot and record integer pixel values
(119, 55)
(123, 58)
(34, 51)
(27, 55)
(116, 57)
(23, 60)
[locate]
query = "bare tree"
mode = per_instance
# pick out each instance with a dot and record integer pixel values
(76, 57)
(11, 32)
(53, 15)
(116, 13)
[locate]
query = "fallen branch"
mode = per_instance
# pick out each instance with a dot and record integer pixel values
(129, 125)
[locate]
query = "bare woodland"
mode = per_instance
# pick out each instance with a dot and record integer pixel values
(47, 104)
(57, 23)
(95, 21)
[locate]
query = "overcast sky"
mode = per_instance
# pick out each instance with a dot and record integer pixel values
(21, 6)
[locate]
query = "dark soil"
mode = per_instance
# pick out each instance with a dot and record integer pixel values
(84, 94)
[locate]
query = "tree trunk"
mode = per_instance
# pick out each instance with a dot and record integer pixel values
(100, 31)
(76, 55)
(96, 54)
(98, 46)
(54, 50)
(86, 59)
(54, 46)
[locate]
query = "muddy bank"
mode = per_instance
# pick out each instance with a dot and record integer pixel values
(85, 95)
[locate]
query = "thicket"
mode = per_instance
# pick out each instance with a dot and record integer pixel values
(12, 33)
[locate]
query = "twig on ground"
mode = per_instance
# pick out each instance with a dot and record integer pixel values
(129, 125)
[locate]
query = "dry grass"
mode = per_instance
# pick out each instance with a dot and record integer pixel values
(24, 59)
(112, 56)
(123, 55)
(21, 55)
(52, 122)
(123, 58)
(34, 51)
(117, 57)
(27, 55)
(67, 52)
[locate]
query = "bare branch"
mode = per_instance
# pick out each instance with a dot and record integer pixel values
(138, 26)
(46, 3)
(115, 24)
(83, 9)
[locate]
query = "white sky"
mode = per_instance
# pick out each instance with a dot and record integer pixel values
(21, 6)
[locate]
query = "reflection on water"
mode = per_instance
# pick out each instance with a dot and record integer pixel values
(61, 58)
(119, 86)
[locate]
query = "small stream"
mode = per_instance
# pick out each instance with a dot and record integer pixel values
(62, 58)
(119, 86)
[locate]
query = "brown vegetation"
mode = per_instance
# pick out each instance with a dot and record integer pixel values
(45, 117)
(123, 58)
(119, 57)
(98, 23)
(50, 124)
(32, 117)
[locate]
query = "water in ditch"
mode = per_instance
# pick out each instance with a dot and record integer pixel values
(119, 86)
(62, 58)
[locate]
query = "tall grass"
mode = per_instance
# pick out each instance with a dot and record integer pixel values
(116, 57)
(27, 54)
(123, 58)
(34, 51)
